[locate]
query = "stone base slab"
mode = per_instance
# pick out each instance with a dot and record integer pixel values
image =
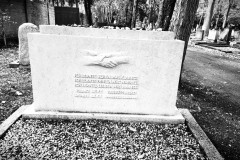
(31, 113)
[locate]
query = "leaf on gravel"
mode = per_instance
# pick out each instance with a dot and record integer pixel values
(132, 129)
(141, 156)
(18, 93)
(86, 140)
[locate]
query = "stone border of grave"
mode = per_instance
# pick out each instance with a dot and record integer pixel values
(206, 45)
(11, 119)
(205, 143)
(207, 146)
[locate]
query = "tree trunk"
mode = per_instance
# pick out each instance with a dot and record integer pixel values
(200, 21)
(48, 12)
(26, 11)
(89, 12)
(86, 11)
(135, 3)
(217, 20)
(229, 35)
(218, 13)
(207, 20)
(168, 12)
(131, 14)
(87, 7)
(226, 14)
(150, 20)
(160, 15)
(126, 20)
(150, 13)
(4, 38)
(70, 3)
(76, 1)
(182, 21)
(166, 9)
(62, 2)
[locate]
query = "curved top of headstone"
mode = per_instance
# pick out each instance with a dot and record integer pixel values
(23, 30)
(26, 28)
(108, 33)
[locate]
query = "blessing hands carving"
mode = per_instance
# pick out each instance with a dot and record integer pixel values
(108, 60)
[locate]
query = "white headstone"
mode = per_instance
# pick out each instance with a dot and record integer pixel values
(224, 34)
(90, 74)
(213, 34)
(236, 35)
(199, 34)
(23, 30)
(114, 33)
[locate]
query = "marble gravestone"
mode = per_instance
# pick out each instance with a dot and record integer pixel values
(23, 30)
(108, 33)
(86, 74)
(213, 34)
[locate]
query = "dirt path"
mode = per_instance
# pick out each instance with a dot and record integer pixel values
(210, 88)
(219, 73)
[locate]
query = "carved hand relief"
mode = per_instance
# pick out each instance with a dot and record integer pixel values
(108, 60)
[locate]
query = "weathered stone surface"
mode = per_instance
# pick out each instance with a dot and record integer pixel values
(88, 74)
(23, 30)
(109, 33)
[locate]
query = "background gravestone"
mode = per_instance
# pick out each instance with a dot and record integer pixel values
(236, 35)
(109, 33)
(224, 34)
(213, 34)
(23, 30)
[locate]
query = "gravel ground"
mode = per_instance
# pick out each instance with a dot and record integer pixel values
(95, 139)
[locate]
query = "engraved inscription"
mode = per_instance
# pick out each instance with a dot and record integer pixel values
(106, 86)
